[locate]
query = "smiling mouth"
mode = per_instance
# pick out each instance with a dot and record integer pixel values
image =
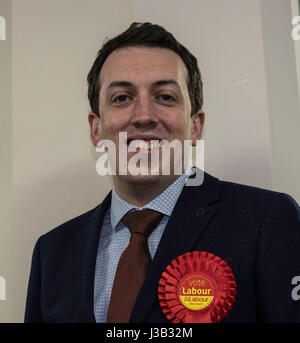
(145, 144)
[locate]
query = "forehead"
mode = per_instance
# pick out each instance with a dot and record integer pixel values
(143, 65)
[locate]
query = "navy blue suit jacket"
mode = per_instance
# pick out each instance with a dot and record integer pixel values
(256, 231)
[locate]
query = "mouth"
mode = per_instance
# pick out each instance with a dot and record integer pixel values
(144, 143)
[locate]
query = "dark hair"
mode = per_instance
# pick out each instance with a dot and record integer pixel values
(148, 35)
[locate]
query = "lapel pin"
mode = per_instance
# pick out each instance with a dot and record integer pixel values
(200, 212)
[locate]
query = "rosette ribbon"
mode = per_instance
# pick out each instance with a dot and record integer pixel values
(197, 287)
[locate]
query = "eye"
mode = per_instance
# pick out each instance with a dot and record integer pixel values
(166, 98)
(121, 99)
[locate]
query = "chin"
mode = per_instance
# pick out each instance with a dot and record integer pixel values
(140, 180)
(143, 179)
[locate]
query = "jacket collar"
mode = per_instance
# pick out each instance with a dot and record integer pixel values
(87, 241)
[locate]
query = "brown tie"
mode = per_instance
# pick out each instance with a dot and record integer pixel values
(133, 264)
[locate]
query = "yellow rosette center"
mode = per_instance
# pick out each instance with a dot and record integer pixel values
(196, 291)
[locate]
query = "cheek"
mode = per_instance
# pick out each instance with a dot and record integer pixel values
(112, 126)
(179, 125)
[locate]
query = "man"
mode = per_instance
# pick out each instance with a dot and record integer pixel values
(143, 82)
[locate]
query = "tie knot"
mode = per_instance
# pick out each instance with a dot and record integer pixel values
(142, 222)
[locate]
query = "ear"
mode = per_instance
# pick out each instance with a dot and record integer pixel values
(95, 126)
(197, 126)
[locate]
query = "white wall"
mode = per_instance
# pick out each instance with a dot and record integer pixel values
(5, 158)
(53, 46)
(283, 95)
(295, 4)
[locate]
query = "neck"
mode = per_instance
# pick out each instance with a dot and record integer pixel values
(140, 192)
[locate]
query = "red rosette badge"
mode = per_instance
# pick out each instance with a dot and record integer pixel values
(197, 287)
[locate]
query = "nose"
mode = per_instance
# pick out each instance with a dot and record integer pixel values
(144, 113)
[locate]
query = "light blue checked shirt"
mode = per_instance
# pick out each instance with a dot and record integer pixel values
(114, 238)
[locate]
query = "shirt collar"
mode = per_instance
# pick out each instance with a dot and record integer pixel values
(163, 202)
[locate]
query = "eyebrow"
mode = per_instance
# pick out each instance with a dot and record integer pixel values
(158, 83)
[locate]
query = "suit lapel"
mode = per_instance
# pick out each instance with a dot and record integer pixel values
(87, 240)
(189, 218)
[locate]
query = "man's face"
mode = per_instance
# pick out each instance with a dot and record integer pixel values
(143, 91)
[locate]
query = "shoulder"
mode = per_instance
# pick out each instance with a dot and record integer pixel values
(244, 200)
(63, 233)
(269, 207)
(76, 224)
(73, 224)
(233, 189)
(251, 195)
